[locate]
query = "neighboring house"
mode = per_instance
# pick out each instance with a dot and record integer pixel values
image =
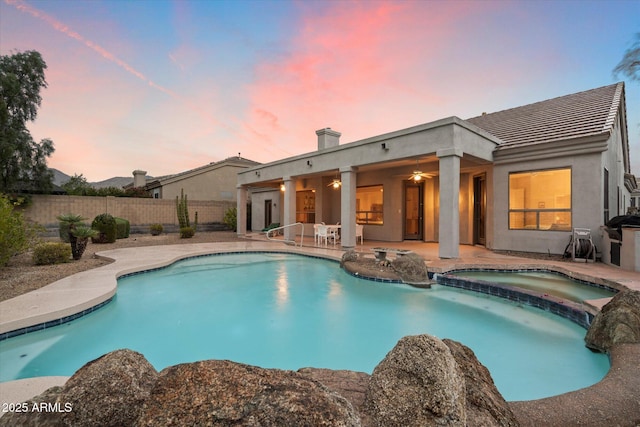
(215, 181)
(519, 179)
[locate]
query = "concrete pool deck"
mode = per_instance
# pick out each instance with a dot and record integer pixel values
(82, 291)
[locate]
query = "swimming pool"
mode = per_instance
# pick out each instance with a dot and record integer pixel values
(288, 311)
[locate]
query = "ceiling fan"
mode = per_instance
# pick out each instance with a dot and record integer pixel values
(336, 183)
(417, 174)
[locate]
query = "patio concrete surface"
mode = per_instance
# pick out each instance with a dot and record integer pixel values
(84, 290)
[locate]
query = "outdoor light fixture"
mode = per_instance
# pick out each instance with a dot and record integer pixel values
(417, 174)
(336, 183)
(257, 173)
(309, 163)
(281, 187)
(384, 146)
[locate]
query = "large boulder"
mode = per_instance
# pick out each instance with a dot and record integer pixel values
(28, 417)
(485, 405)
(108, 391)
(411, 268)
(348, 256)
(617, 323)
(418, 383)
(351, 385)
(222, 393)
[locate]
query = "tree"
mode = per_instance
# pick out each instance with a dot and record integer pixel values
(16, 235)
(77, 186)
(24, 161)
(630, 63)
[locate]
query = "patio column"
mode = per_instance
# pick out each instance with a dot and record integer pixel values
(241, 207)
(289, 207)
(348, 207)
(449, 214)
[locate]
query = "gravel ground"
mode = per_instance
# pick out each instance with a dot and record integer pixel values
(21, 275)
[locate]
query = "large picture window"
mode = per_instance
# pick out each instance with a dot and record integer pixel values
(540, 200)
(369, 204)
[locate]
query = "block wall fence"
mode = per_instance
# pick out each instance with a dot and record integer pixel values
(138, 211)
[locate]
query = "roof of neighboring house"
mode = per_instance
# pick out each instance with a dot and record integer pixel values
(592, 112)
(231, 161)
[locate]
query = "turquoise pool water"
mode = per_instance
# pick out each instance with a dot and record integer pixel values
(540, 281)
(287, 311)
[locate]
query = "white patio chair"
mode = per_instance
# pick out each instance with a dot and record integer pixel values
(315, 234)
(359, 233)
(322, 234)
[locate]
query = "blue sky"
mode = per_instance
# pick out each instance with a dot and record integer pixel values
(166, 86)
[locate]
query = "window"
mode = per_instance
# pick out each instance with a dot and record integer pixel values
(369, 204)
(540, 200)
(306, 206)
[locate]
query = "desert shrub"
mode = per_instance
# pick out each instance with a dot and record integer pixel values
(231, 218)
(156, 229)
(16, 235)
(122, 228)
(106, 226)
(187, 232)
(51, 253)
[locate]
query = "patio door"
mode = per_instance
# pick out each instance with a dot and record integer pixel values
(267, 213)
(479, 209)
(413, 211)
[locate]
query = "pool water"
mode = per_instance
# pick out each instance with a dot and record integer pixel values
(540, 281)
(288, 311)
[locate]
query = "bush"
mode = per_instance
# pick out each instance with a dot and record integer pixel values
(231, 219)
(156, 229)
(106, 226)
(122, 228)
(187, 232)
(51, 253)
(15, 234)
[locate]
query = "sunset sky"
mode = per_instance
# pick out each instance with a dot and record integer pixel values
(167, 86)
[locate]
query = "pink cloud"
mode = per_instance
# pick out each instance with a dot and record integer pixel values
(360, 67)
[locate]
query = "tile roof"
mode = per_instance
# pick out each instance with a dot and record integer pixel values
(591, 112)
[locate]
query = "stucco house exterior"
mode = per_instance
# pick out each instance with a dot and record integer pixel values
(519, 179)
(214, 181)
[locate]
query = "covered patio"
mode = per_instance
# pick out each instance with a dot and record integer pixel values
(427, 183)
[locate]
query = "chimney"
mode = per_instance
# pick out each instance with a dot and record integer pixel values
(327, 138)
(139, 178)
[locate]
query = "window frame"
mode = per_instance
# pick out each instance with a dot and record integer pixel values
(371, 217)
(541, 210)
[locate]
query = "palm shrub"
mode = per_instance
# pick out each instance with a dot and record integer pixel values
(123, 228)
(105, 225)
(82, 233)
(68, 223)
